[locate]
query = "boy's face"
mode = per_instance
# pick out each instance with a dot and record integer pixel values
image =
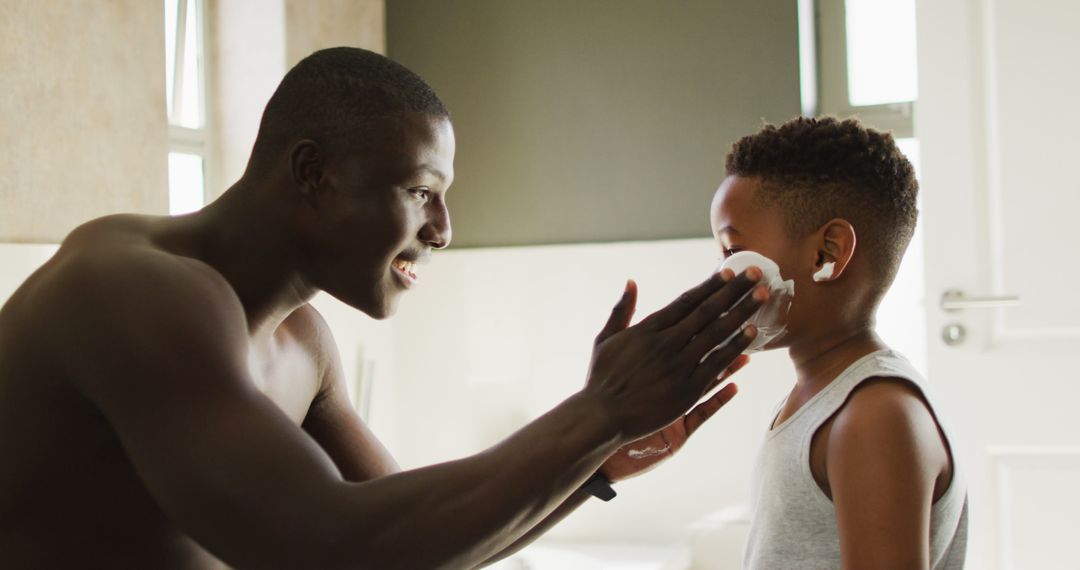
(741, 224)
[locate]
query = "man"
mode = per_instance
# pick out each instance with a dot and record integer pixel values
(168, 399)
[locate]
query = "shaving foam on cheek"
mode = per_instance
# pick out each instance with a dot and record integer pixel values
(771, 318)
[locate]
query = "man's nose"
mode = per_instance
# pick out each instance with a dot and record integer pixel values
(436, 232)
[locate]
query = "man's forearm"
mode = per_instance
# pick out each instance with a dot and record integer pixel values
(462, 513)
(568, 506)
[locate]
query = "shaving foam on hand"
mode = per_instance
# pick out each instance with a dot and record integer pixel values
(771, 318)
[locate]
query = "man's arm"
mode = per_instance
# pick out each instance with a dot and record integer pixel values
(623, 465)
(331, 420)
(334, 424)
(628, 461)
(884, 456)
(160, 346)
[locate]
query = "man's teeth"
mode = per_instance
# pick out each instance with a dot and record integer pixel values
(407, 267)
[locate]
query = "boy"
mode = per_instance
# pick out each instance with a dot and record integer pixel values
(856, 471)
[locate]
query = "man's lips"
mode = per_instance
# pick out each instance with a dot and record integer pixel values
(406, 270)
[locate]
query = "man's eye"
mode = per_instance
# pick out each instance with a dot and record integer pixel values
(421, 193)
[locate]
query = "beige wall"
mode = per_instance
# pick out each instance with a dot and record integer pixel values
(316, 24)
(255, 43)
(82, 114)
(82, 99)
(247, 39)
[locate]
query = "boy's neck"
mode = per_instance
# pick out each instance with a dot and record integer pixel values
(821, 359)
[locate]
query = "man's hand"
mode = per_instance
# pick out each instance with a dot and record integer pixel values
(643, 455)
(648, 376)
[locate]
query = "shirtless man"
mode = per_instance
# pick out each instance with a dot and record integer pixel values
(168, 399)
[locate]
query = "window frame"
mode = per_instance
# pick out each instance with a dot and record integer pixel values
(188, 140)
(832, 97)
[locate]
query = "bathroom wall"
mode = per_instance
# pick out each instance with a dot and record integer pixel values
(82, 114)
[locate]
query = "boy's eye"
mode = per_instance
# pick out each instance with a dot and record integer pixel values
(730, 251)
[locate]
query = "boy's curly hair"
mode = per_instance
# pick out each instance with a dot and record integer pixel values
(819, 169)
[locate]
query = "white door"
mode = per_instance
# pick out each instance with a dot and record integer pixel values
(998, 123)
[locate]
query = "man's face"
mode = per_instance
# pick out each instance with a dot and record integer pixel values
(739, 223)
(382, 211)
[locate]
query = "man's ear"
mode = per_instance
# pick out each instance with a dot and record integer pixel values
(836, 247)
(306, 166)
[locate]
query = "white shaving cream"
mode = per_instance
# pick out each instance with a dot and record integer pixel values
(771, 318)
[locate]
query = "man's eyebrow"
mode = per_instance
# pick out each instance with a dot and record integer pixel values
(433, 171)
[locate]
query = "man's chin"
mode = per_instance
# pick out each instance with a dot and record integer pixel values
(382, 313)
(379, 308)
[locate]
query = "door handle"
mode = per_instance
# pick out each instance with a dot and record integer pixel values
(955, 300)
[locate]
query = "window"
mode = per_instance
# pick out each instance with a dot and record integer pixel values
(866, 64)
(185, 100)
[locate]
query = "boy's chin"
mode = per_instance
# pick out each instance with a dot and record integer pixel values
(774, 344)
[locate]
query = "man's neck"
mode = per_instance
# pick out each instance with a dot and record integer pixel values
(821, 359)
(248, 238)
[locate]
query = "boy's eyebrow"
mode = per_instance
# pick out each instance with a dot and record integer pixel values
(729, 229)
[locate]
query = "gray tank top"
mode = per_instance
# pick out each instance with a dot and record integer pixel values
(794, 522)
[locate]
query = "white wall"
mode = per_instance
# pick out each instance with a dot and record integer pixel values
(17, 262)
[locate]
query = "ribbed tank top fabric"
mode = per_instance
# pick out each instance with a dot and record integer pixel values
(794, 522)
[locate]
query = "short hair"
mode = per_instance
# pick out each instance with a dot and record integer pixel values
(819, 169)
(334, 92)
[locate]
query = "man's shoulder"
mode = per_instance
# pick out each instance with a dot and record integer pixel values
(110, 231)
(112, 263)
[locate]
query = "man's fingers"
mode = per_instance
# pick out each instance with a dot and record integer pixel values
(687, 302)
(736, 366)
(740, 361)
(621, 313)
(723, 327)
(719, 303)
(720, 359)
(706, 409)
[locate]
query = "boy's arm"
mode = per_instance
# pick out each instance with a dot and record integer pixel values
(884, 457)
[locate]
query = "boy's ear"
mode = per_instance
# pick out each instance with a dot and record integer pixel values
(836, 247)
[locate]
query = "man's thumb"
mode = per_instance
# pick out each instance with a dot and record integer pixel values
(621, 313)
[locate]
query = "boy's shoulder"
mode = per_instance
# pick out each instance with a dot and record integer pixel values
(883, 403)
(885, 420)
